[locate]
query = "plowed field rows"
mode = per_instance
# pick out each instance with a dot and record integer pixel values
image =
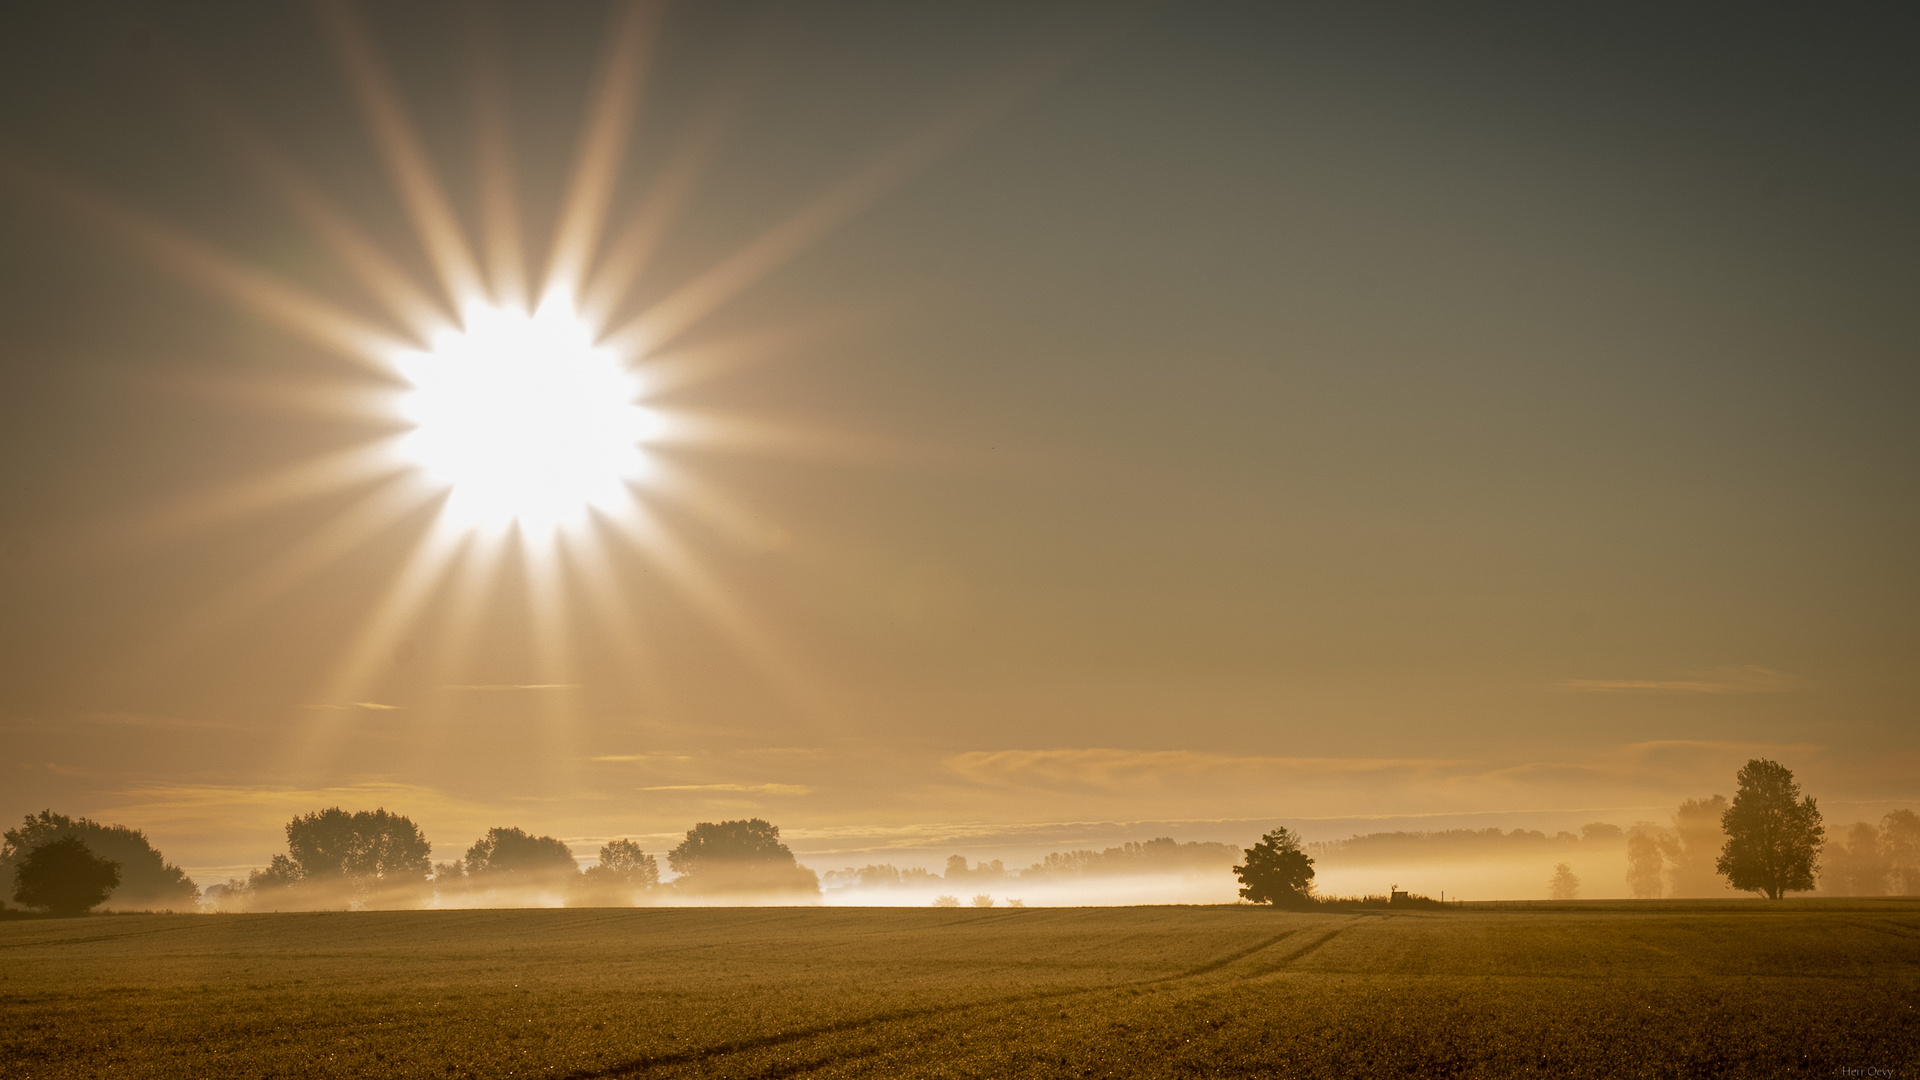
(1743, 989)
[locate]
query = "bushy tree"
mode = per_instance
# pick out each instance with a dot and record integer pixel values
(505, 851)
(1276, 870)
(1644, 866)
(368, 847)
(1563, 885)
(623, 871)
(1694, 845)
(64, 877)
(739, 856)
(146, 879)
(1773, 834)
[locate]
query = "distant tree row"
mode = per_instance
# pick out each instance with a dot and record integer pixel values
(374, 858)
(1874, 861)
(1158, 856)
(1768, 840)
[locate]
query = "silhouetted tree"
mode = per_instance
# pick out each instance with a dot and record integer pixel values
(368, 848)
(983, 900)
(1643, 866)
(1900, 847)
(946, 901)
(1693, 846)
(738, 856)
(64, 877)
(623, 871)
(1276, 871)
(146, 879)
(506, 851)
(1773, 835)
(1563, 885)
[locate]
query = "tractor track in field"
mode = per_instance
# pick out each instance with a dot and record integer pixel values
(700, 1055)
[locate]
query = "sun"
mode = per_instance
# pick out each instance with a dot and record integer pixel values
(523, 419)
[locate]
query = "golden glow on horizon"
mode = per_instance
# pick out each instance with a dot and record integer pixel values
(524, 419)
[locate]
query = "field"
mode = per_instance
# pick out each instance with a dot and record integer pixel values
(1606, 989)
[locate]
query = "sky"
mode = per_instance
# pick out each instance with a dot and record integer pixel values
(1070, 423)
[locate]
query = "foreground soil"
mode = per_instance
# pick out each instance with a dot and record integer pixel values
(1614, 990)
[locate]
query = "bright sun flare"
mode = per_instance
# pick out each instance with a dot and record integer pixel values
(524, 419)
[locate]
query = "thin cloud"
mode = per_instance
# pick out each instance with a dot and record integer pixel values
(641, 757)
(754, 789)
(513, 686)
(1732, 679)
(1103, 767)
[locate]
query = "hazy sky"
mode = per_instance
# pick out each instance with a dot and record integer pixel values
(1167, 421)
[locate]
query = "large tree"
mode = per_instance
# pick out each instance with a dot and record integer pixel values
(743, 856)
(1773, 834)
(1276, 870)
(370, 847)
(64, 877)
(146, 879)
(511, 852)
(334, 857)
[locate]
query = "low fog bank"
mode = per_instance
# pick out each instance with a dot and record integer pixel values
(1157, 871)
(369, 860)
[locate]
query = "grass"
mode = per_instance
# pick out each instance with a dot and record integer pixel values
(1737, 988)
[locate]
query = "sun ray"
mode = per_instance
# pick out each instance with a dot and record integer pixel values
(499, 198)
(681, 309)
(715, 357)
(712, 431)
(603, 142)
(333, 399)
(383, 279)
(375, 512)
(222, 274)
(302, 480)
(615, 617)
(649, 537)
(734, 520)
(413, 174)
(475, 582)
(545, 566)
(426, 567)
(627, 254)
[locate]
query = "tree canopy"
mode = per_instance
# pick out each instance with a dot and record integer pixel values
(370, 846)
(1773, 834)
(511, 851)
(64, 877)
(146, 879)
(738, 856)
(1276, 870)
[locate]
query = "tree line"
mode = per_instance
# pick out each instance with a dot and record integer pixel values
(378, 858)
(1161, 855)
(1768, 840)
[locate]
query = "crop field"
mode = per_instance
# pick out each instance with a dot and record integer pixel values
(1739, 988)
